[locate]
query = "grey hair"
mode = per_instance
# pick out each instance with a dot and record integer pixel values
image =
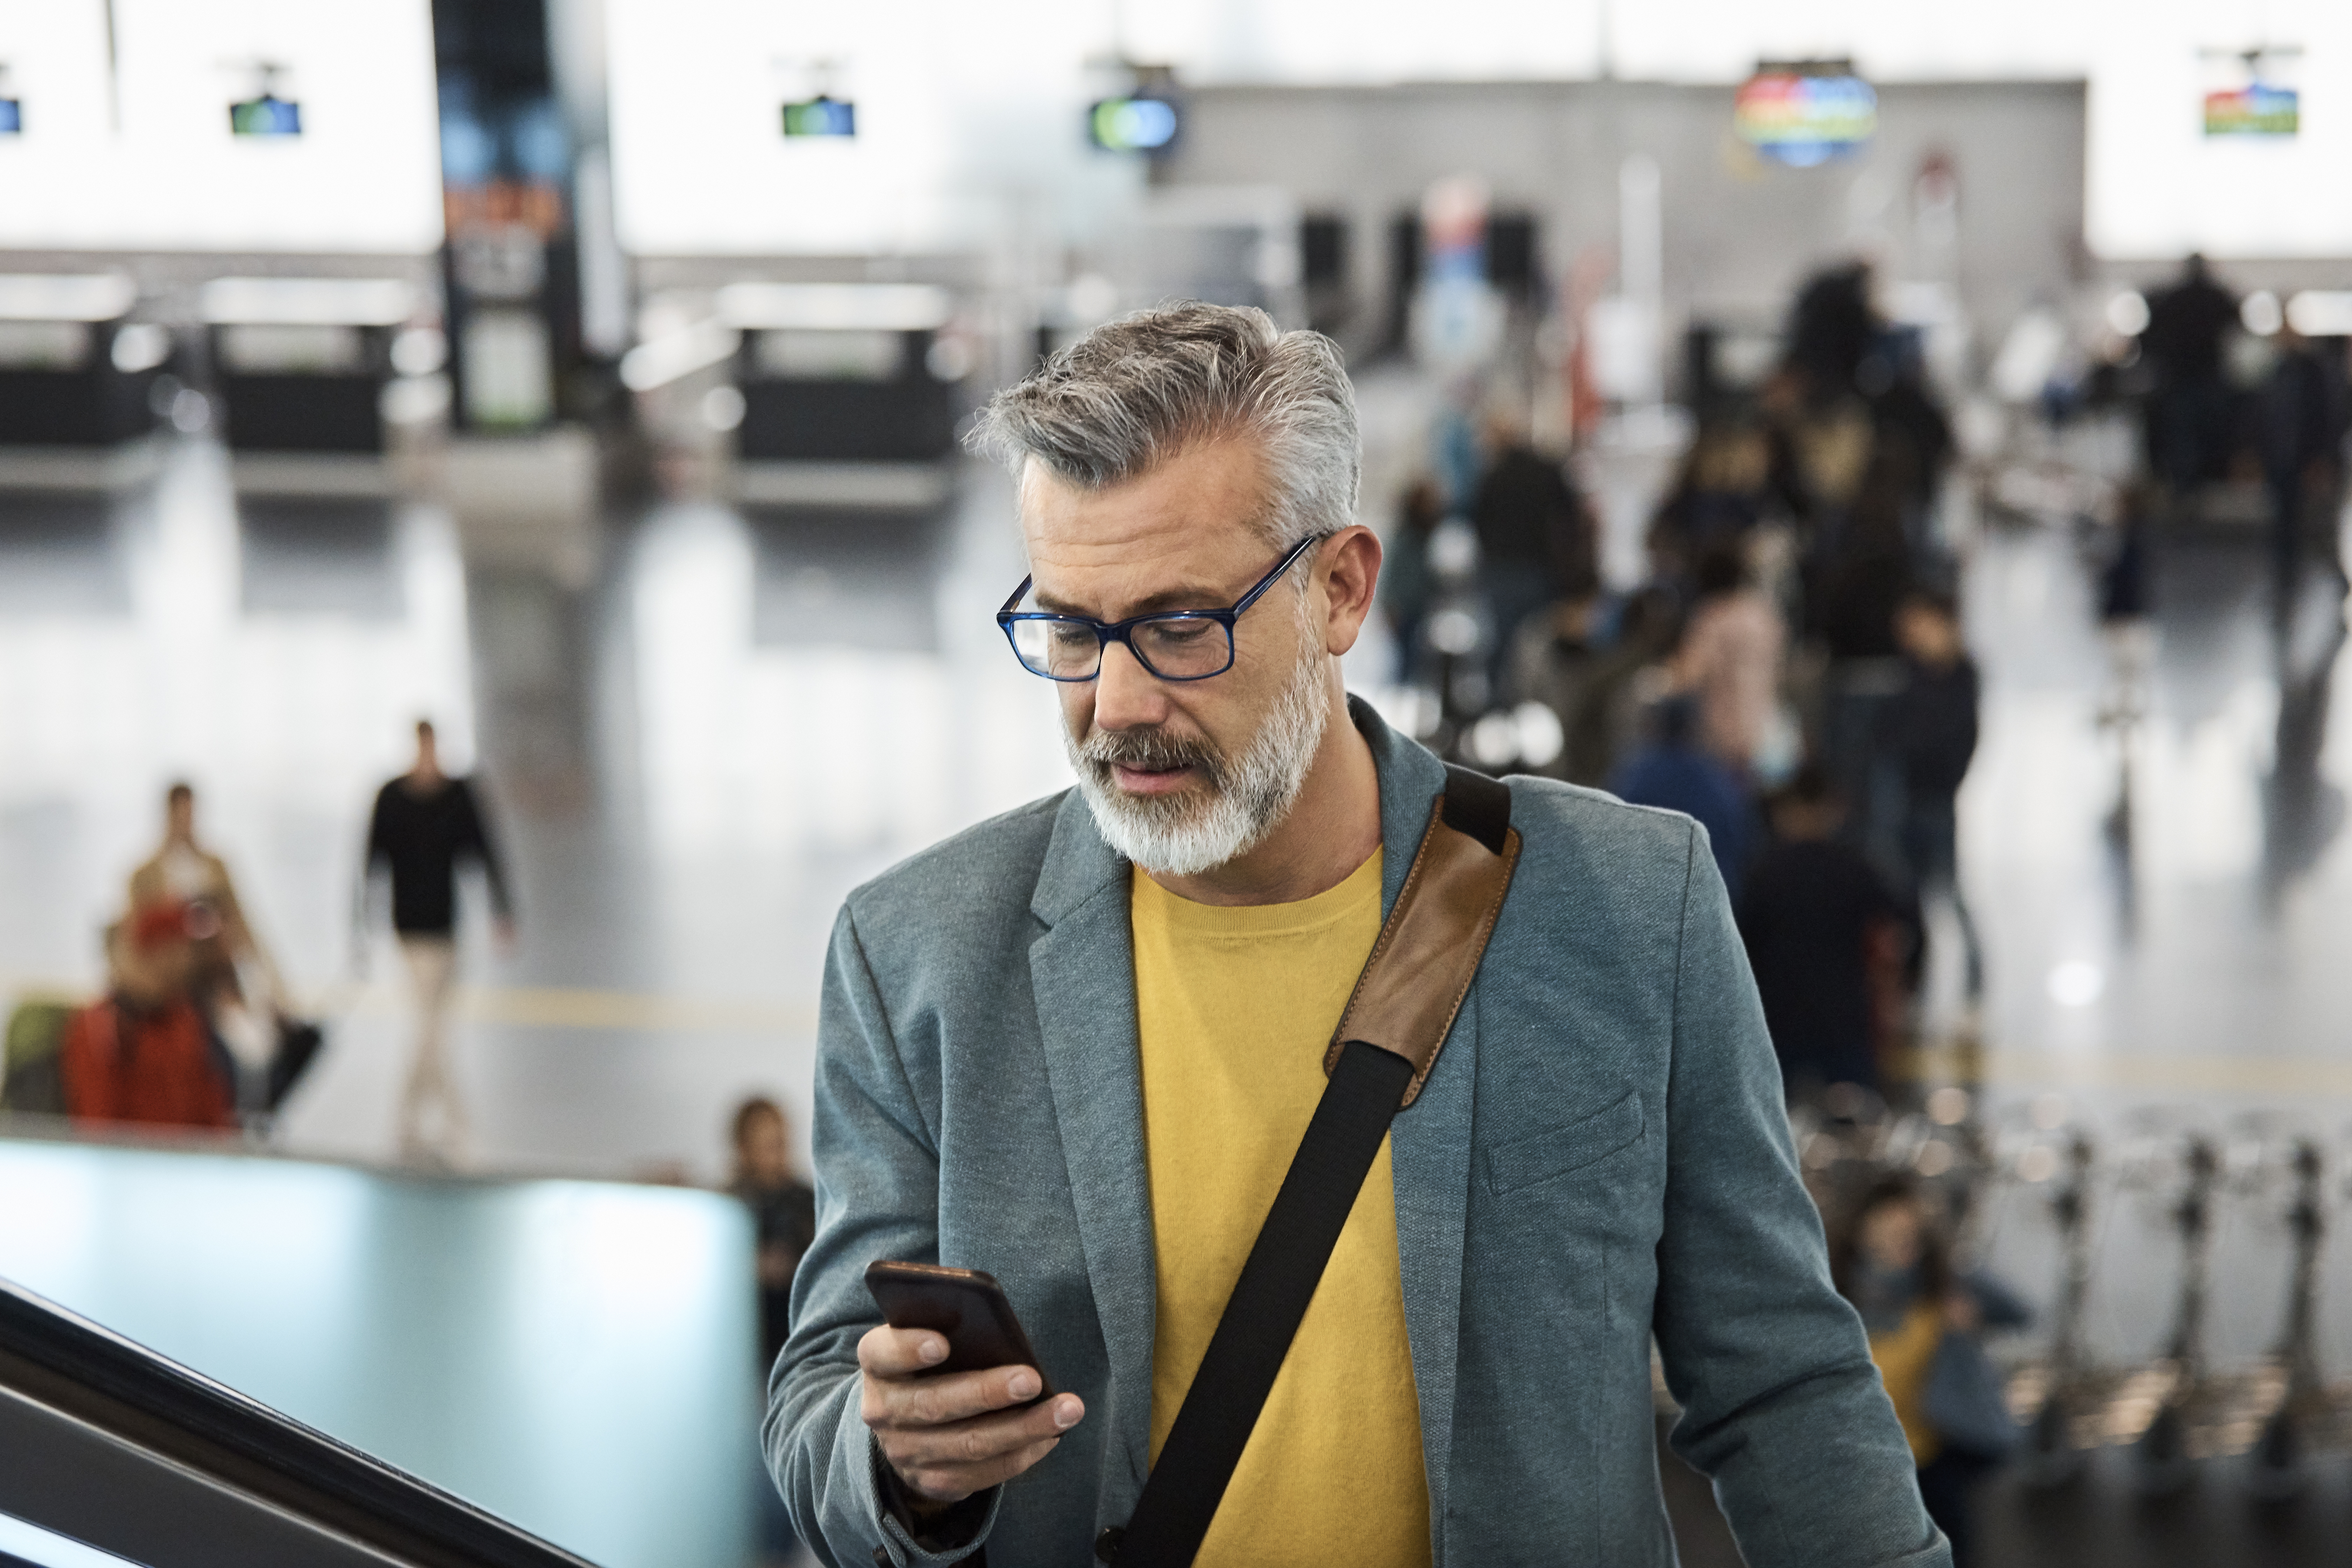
(1137, 391)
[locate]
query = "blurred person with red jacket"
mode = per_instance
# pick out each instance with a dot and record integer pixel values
(144, 1054)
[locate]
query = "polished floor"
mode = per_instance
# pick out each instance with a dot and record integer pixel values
(743, 713)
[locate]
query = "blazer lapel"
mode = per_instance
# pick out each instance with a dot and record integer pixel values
(1429, 1142)
(1083, 972)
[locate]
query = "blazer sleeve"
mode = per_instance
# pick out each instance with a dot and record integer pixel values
(877, 1157)
(1781, 1406)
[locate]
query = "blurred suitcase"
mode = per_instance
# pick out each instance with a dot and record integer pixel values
(299, 1042)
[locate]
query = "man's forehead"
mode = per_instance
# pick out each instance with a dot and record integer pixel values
(1189, 522)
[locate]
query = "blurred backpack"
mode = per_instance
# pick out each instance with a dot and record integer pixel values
(33, 1084)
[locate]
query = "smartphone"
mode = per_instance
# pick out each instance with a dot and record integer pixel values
(968, 1307)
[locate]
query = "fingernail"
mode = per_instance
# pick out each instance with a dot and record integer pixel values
(1066, 1412)
(1025, 1385)
(933, 1350)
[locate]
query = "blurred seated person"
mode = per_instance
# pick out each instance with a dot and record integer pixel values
(1892, 1261)
(782, 1207)
(233, 980)
(144, 1054)
(1407, 579)
(1928, 734)
(1535, 540)
(1824, 935)
(1672, 770)
(1730, 657)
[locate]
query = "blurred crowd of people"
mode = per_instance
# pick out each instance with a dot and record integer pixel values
(195, 1029)
(1792, 673)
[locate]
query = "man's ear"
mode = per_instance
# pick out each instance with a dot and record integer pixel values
(1348, 565)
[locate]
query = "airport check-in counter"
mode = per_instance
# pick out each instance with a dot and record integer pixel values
(301, 364)
(834, 374)
(75, 370)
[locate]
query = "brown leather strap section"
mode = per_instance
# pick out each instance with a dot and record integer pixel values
(1428, 953)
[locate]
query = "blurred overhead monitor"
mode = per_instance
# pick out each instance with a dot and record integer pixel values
(1804, 112)
(2247, 92)
(1132, 124)
(265, 116)
(821, 116)
(2256, 109)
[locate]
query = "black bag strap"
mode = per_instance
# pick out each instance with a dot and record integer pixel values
(1404, 1003)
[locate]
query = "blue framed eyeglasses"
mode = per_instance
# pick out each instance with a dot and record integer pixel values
(1175, 645)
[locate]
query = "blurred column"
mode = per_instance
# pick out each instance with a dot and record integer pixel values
(506, 163)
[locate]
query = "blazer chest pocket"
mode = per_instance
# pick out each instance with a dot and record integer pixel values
(1545, 1156)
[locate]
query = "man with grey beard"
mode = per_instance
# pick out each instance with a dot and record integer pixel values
(1077, 1047)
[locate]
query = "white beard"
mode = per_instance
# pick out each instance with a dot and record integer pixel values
(1240, 801)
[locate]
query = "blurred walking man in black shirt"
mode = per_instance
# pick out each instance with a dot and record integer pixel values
(424, 823)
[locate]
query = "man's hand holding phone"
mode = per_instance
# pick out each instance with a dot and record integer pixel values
(950, 1387)
(950, 1434)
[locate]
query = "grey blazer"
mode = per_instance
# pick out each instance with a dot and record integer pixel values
(1600, 1155)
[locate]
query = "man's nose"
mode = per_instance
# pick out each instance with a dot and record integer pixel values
(1127, 695)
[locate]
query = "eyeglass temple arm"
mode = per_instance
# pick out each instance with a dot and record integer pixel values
(1006, 608)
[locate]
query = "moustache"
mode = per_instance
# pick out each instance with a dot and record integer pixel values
(1153, 750)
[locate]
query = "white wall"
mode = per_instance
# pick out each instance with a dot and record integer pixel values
(139, 156)
(968, 118)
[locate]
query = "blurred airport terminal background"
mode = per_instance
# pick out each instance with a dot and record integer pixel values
(1910, 438)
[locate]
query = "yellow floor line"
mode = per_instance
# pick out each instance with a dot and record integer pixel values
(526, 1006)
(580, 1007)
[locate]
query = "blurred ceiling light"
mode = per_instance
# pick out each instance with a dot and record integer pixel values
(2076, 982)
(862, 307)
(2030, 355)
(64, 297)
(722, 408)
(140, 346)
(1495, 741)
(420, 350)
(1541, 737)
(2321, 313)
(663, 359)
(1091, 298)
(308, 301)
(2128, 313)
(2261, 314)
(412, 400)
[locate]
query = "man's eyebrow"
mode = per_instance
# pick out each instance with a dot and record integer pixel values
(1191, 598)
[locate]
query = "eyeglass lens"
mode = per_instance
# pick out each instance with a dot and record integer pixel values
(1178, 648)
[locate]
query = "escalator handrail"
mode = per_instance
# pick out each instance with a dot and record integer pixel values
(102, 1377)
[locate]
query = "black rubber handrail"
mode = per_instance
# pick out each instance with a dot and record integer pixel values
(121, 1387)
